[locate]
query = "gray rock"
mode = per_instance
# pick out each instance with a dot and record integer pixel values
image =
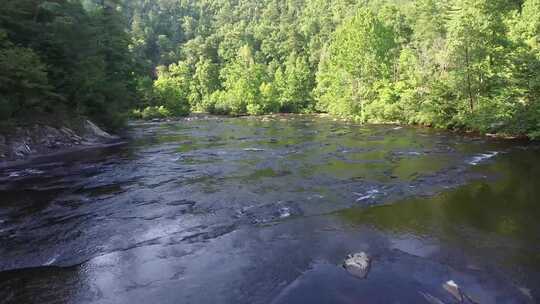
(68, 132)
(21, 148)
(43, 139)
(358, 264)
(94, 131)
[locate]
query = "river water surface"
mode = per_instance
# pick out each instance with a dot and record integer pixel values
(265, 210)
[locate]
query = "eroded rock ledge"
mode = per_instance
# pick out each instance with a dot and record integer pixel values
(26, 142)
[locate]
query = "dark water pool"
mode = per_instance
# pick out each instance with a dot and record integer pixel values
(264, 210)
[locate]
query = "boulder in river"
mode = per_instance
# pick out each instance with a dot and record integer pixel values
(358, 264)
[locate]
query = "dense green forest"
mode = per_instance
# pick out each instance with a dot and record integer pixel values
(469, 64)
(60, 60)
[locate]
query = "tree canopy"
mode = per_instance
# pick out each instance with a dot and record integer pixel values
(58, 58)
(471, 64)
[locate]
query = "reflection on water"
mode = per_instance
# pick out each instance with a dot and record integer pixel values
(507, 206)
(496, 219)
(260, 210)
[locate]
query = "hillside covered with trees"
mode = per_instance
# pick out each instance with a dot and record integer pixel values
(471, 64)
(60, 59)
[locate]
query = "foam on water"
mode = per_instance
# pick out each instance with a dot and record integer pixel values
(476, 160)
(51, 260)
(284, 212)
(370, 194)
(26, 172)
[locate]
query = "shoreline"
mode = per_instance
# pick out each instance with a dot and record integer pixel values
(96, 138)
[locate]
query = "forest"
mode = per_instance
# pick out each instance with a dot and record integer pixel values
(458, 64)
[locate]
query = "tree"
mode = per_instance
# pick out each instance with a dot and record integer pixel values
(172, 88)
(205, 82)
(469, 64)
(358, 59)
(242, 81)
(76, 62)
(296, 85)
(24, 85)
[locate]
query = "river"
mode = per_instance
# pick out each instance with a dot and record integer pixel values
(265, 210)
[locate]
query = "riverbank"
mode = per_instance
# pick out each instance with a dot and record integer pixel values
(23, 144)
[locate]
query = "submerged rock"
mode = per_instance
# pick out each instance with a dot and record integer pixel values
(358, 264)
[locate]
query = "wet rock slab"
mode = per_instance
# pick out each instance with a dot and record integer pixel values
(26, 142)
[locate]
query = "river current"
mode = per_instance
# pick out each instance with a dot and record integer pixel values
(265, 210)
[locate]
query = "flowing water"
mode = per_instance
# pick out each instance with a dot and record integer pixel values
(265, 210)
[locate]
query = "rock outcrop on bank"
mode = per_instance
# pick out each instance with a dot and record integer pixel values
(26, 142)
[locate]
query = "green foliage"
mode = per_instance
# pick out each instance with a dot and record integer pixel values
(472, 64)
(296, 85)
(56, 57)
(356, 67)
(205, 82)
(242, 80)
(464, 64)
(151, 113)
(24, 83)
(171, 89)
